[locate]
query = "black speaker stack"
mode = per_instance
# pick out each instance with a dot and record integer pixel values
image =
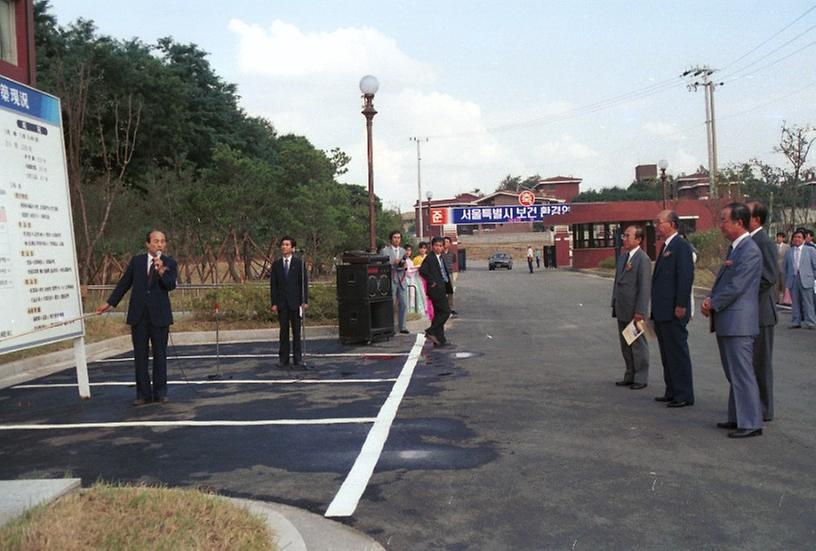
(364, 297)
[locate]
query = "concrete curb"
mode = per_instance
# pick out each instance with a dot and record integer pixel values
(294, 529)
(18, 496)
(298, 529)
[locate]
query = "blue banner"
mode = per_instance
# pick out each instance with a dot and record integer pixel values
(28, 101)
(506, 214)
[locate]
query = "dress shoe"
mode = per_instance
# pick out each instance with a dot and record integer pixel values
(405, 332)
(662, 399)
(794, 326)
(745, 433)
(139, 402)
(454, 313)
(300, 366)
(283, 365)
(767, 419)
(433, 338)
(730, 425)
(162, 400)
(637, 386)
(678, 404)
(623, 383)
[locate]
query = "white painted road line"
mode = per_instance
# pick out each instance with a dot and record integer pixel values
(223, 382)
(135, 424)
(345, 502)
(248, 356)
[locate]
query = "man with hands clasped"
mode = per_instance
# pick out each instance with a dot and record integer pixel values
(733, 308)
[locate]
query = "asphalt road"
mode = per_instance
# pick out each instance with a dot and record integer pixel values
(513, 438)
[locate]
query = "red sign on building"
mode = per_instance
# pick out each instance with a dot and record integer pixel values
(527, 198)
(439, 216)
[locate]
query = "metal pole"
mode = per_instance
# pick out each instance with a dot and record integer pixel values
(369, 112)
(419, 185)
(713, 162)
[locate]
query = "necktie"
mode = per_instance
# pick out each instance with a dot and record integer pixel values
(442, 268)
(730, 250)
(285, 267)
(151, 273)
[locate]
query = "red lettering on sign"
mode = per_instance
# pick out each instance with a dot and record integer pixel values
(439, 217)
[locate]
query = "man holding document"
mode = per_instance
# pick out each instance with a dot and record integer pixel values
(630, 303)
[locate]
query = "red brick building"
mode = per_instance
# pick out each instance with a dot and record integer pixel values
(693, 186)
(17, 59)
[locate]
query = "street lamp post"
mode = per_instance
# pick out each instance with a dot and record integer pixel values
(663, 164)
(369, 86)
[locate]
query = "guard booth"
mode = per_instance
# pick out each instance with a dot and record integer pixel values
(364, 298)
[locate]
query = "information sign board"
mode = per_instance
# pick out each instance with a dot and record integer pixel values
(39, 280)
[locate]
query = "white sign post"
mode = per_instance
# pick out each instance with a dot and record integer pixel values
(39, 279)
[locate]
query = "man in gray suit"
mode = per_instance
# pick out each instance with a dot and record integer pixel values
(734, 310)
(763, 344)
(800, 267)
(398, 259)
(630, 301)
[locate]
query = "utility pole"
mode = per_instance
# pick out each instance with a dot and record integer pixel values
(701, 75)
(418, 141)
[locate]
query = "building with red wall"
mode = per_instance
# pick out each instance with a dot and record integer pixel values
(17, 51)
(593, 226)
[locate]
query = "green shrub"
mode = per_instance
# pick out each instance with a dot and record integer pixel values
(252, 303)
(607, 263)
(710, 246)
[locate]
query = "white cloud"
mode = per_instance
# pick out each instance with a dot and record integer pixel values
(566, 148)
(284, 50)
(306, 83)
(664, 130)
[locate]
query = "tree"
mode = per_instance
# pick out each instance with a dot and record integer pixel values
(795, 144)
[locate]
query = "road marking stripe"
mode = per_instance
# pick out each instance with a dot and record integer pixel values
(222, 382)
(215, 423)
(345, 502)
(240, 356)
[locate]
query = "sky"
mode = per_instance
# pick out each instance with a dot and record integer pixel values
(554, 88)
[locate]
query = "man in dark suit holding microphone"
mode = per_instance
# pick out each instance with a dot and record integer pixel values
(289, 290)
(150, 277)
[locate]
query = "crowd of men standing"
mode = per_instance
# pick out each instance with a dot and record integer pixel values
(741, 308)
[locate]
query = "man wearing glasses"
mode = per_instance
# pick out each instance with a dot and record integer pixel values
(671, 293)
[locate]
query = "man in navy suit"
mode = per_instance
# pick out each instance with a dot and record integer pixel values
(437, 276)
(800, 269)
(763, 344)
(671, 293)
(733, 308)
(150, 277)
(289, 290)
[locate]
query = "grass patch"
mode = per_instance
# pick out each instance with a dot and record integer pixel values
(137, 518)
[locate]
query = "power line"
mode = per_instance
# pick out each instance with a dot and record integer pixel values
(594, 107)
(777, 33)
(767, 55)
